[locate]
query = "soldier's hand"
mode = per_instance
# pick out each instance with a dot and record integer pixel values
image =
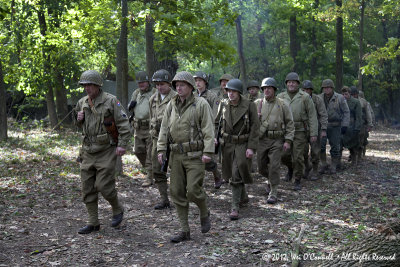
(160, 158)
(215, 141)
(80, 116)
(249, 153)
(120, 151)
(286, 146)
(313, 139)
(323, 133)
(205, 159)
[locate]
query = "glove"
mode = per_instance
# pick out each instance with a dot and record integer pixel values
(132, 105)
(343, 130)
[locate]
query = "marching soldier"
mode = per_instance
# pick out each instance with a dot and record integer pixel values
(305, 122)
(350, 139)
(187, 128)
(158, 103)
(367, 124)
(322, 117)
(276, 134)
(220, 91)
(338, 121)
(106, 132)
(201, 80)
(141, 123)
(254, 90)
(239, 139)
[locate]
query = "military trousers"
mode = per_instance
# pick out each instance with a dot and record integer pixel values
(363, 136)
(186, 181)
(158, 175)
(295, 157)
(269, 155)
(143, 147)
(333, 134)
(236, 168)
(314, 151)
(98, 175)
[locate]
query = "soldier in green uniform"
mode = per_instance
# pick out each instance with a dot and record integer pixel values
(338, 121)
(106, 135)
(140, 106)
(158, 103)
(201, 80)
(322, 117)
(276, 134)
(239, 140)
(253, 89)
(350, 139)
(220, 91)
(187, 127)
(366, 125)
(305, 122)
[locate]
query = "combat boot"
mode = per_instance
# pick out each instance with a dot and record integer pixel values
(324, 166)
(272, 198)
(314, 175)
(117, 219)
(88, 229)
(334, 165)
(297, 185)
(163, 190)
(205, 224)
(182, 236)
(217, 178)
(289, 175)
(268, 189)
(234, 215)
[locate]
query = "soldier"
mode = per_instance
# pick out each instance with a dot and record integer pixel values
(254, 90)
(322, 117)
(187, 127)
(220, 91)
(276, 134)
(366, 125)
(201, 80)
(305, 122)
(350, 139)
(338, 121)
(239, 140)
(141, 123)
(158, 103)
(106, 132)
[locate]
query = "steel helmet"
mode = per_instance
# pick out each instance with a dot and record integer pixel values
(292, 76)
(327, 83)
(161, 76)
(307, 84)
(91, 77)
(253, 83)
(235, 84)
(202, 75)
(353, 90)
(269, 81)
(184, 76)
(227, 77)
(142, 76)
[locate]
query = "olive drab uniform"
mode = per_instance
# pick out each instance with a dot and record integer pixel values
(141, 126)
(366, 125)
(338, 117)
(350, 139)
(322, 117)
(256, 97)
(157, 110)
(239, 132)
(98, 151)
(276, 127)
(188, 129)
(305, 122)
(212, 100)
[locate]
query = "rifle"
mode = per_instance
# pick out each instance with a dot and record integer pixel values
(111, 128)
(217, 135)
(164, 166)
(131, 108)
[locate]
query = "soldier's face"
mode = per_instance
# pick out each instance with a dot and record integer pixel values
(327, 90)
(223, 84)
(346, 95)
(292, 86)
(233, 95)
(253, 90)
(183, 89)
(143, 86)
(92, 90)
(269, 92)
(200, 84)
(163, 87)
(308, 90)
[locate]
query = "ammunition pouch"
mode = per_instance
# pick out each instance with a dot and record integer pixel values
(235, 139)
(195, 146)
(141, 124)
(274, 134)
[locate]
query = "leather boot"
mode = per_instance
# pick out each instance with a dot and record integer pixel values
(297, 185)
(205, 224)
(217, 178)
(268, 189)
(324, 165)
(289, 175)
(314, 175)
(272, 198)
(117, 219)
(88, 229)
(234, 215)
(163, 190)
(182, 236)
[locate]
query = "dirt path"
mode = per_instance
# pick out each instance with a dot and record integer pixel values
(41, 211)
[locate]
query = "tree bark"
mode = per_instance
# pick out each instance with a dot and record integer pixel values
(293, 41)
(151, 58)
(51, 107)
(313, 67)
(339, 46)
(361, 49)
(242, 61)
(3, 106)
(122, 58)
(263, 47)
(61, 99)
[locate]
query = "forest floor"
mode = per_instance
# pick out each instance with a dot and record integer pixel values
(41, 211)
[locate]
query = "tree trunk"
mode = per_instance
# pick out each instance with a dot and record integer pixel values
(242, 62)
(361, 49)
(151, 59)
(3, 106)
(339, 46)
(263, 47)
(122, 58)
(313, 67)
(61, 99)
(51, 107)
(293, 41)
